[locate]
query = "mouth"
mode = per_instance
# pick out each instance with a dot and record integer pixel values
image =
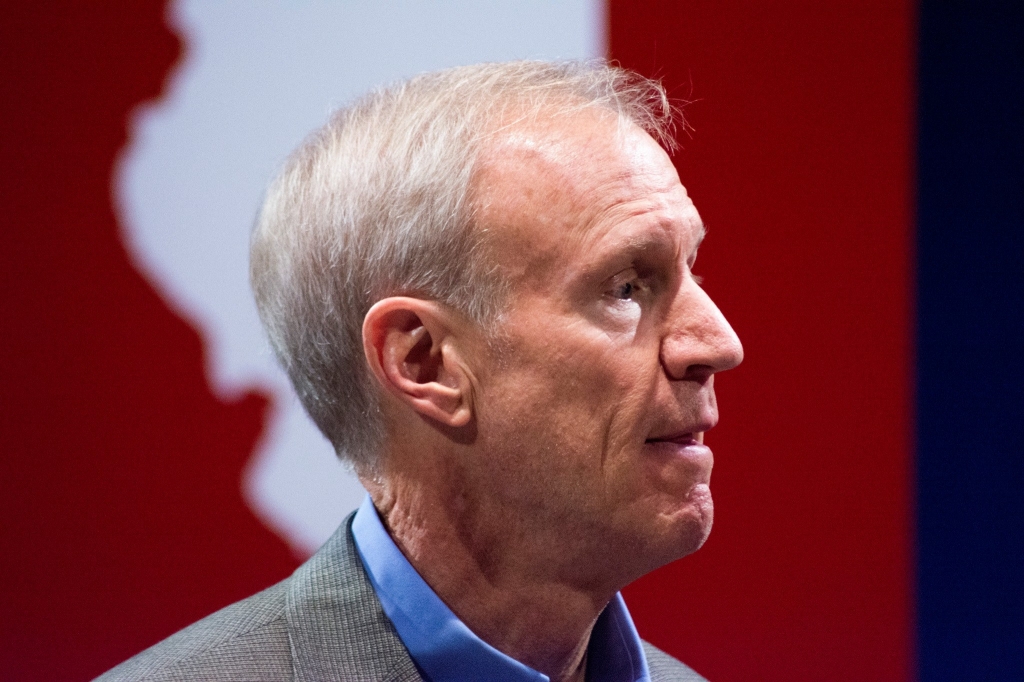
(683, 439)
(690, 434)
(682, 447)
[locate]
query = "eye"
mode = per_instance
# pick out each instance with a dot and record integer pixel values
(627, 286)
(624, 291)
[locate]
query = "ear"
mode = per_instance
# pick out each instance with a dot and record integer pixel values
(410, 346)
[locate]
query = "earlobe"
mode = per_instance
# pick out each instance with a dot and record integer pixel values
(411, 348)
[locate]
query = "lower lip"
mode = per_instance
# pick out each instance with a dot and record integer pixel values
(688, 449)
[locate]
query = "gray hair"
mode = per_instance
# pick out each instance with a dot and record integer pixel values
(377, 203)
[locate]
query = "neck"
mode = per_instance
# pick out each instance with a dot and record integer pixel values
(513, 586)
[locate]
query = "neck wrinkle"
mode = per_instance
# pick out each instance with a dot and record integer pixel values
(491, 575)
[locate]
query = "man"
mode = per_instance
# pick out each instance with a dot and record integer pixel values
(480, 283)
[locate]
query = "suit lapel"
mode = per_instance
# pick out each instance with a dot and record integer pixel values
(336, 626)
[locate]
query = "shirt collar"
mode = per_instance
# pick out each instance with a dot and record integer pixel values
(441, 645)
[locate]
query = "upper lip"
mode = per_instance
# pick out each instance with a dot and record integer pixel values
(681, 436)
(674, 438)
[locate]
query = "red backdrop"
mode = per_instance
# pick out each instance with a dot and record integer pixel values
(122, 516)
(122, 513)
(800, 163)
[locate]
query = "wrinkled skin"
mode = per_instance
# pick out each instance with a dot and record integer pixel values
(609, 347)
(537, 467)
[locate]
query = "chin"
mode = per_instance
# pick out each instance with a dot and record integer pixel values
(690, 523)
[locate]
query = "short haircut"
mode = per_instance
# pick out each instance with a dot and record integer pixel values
(377, 203)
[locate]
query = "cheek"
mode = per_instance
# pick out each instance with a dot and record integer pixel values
(549, 409)
(573, 389)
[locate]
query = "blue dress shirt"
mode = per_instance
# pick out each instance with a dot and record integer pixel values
(445, 650)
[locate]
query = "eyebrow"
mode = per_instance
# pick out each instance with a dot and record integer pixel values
(645, 242)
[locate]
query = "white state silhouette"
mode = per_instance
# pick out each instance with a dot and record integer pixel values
(255, 79)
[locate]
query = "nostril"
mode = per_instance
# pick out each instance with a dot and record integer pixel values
(699, 373)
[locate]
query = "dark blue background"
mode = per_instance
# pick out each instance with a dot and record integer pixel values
(971, 341)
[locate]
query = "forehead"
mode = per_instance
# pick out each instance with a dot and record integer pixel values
(561, 192)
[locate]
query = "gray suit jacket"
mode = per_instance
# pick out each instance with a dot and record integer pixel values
(323, 623)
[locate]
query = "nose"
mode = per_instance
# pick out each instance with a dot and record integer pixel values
(698, 340)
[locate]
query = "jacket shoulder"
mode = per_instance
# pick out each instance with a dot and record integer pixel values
(665, 668)
(245, 641)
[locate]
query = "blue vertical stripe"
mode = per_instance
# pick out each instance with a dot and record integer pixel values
(971, 341)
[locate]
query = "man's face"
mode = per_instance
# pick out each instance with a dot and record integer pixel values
(592, 409)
